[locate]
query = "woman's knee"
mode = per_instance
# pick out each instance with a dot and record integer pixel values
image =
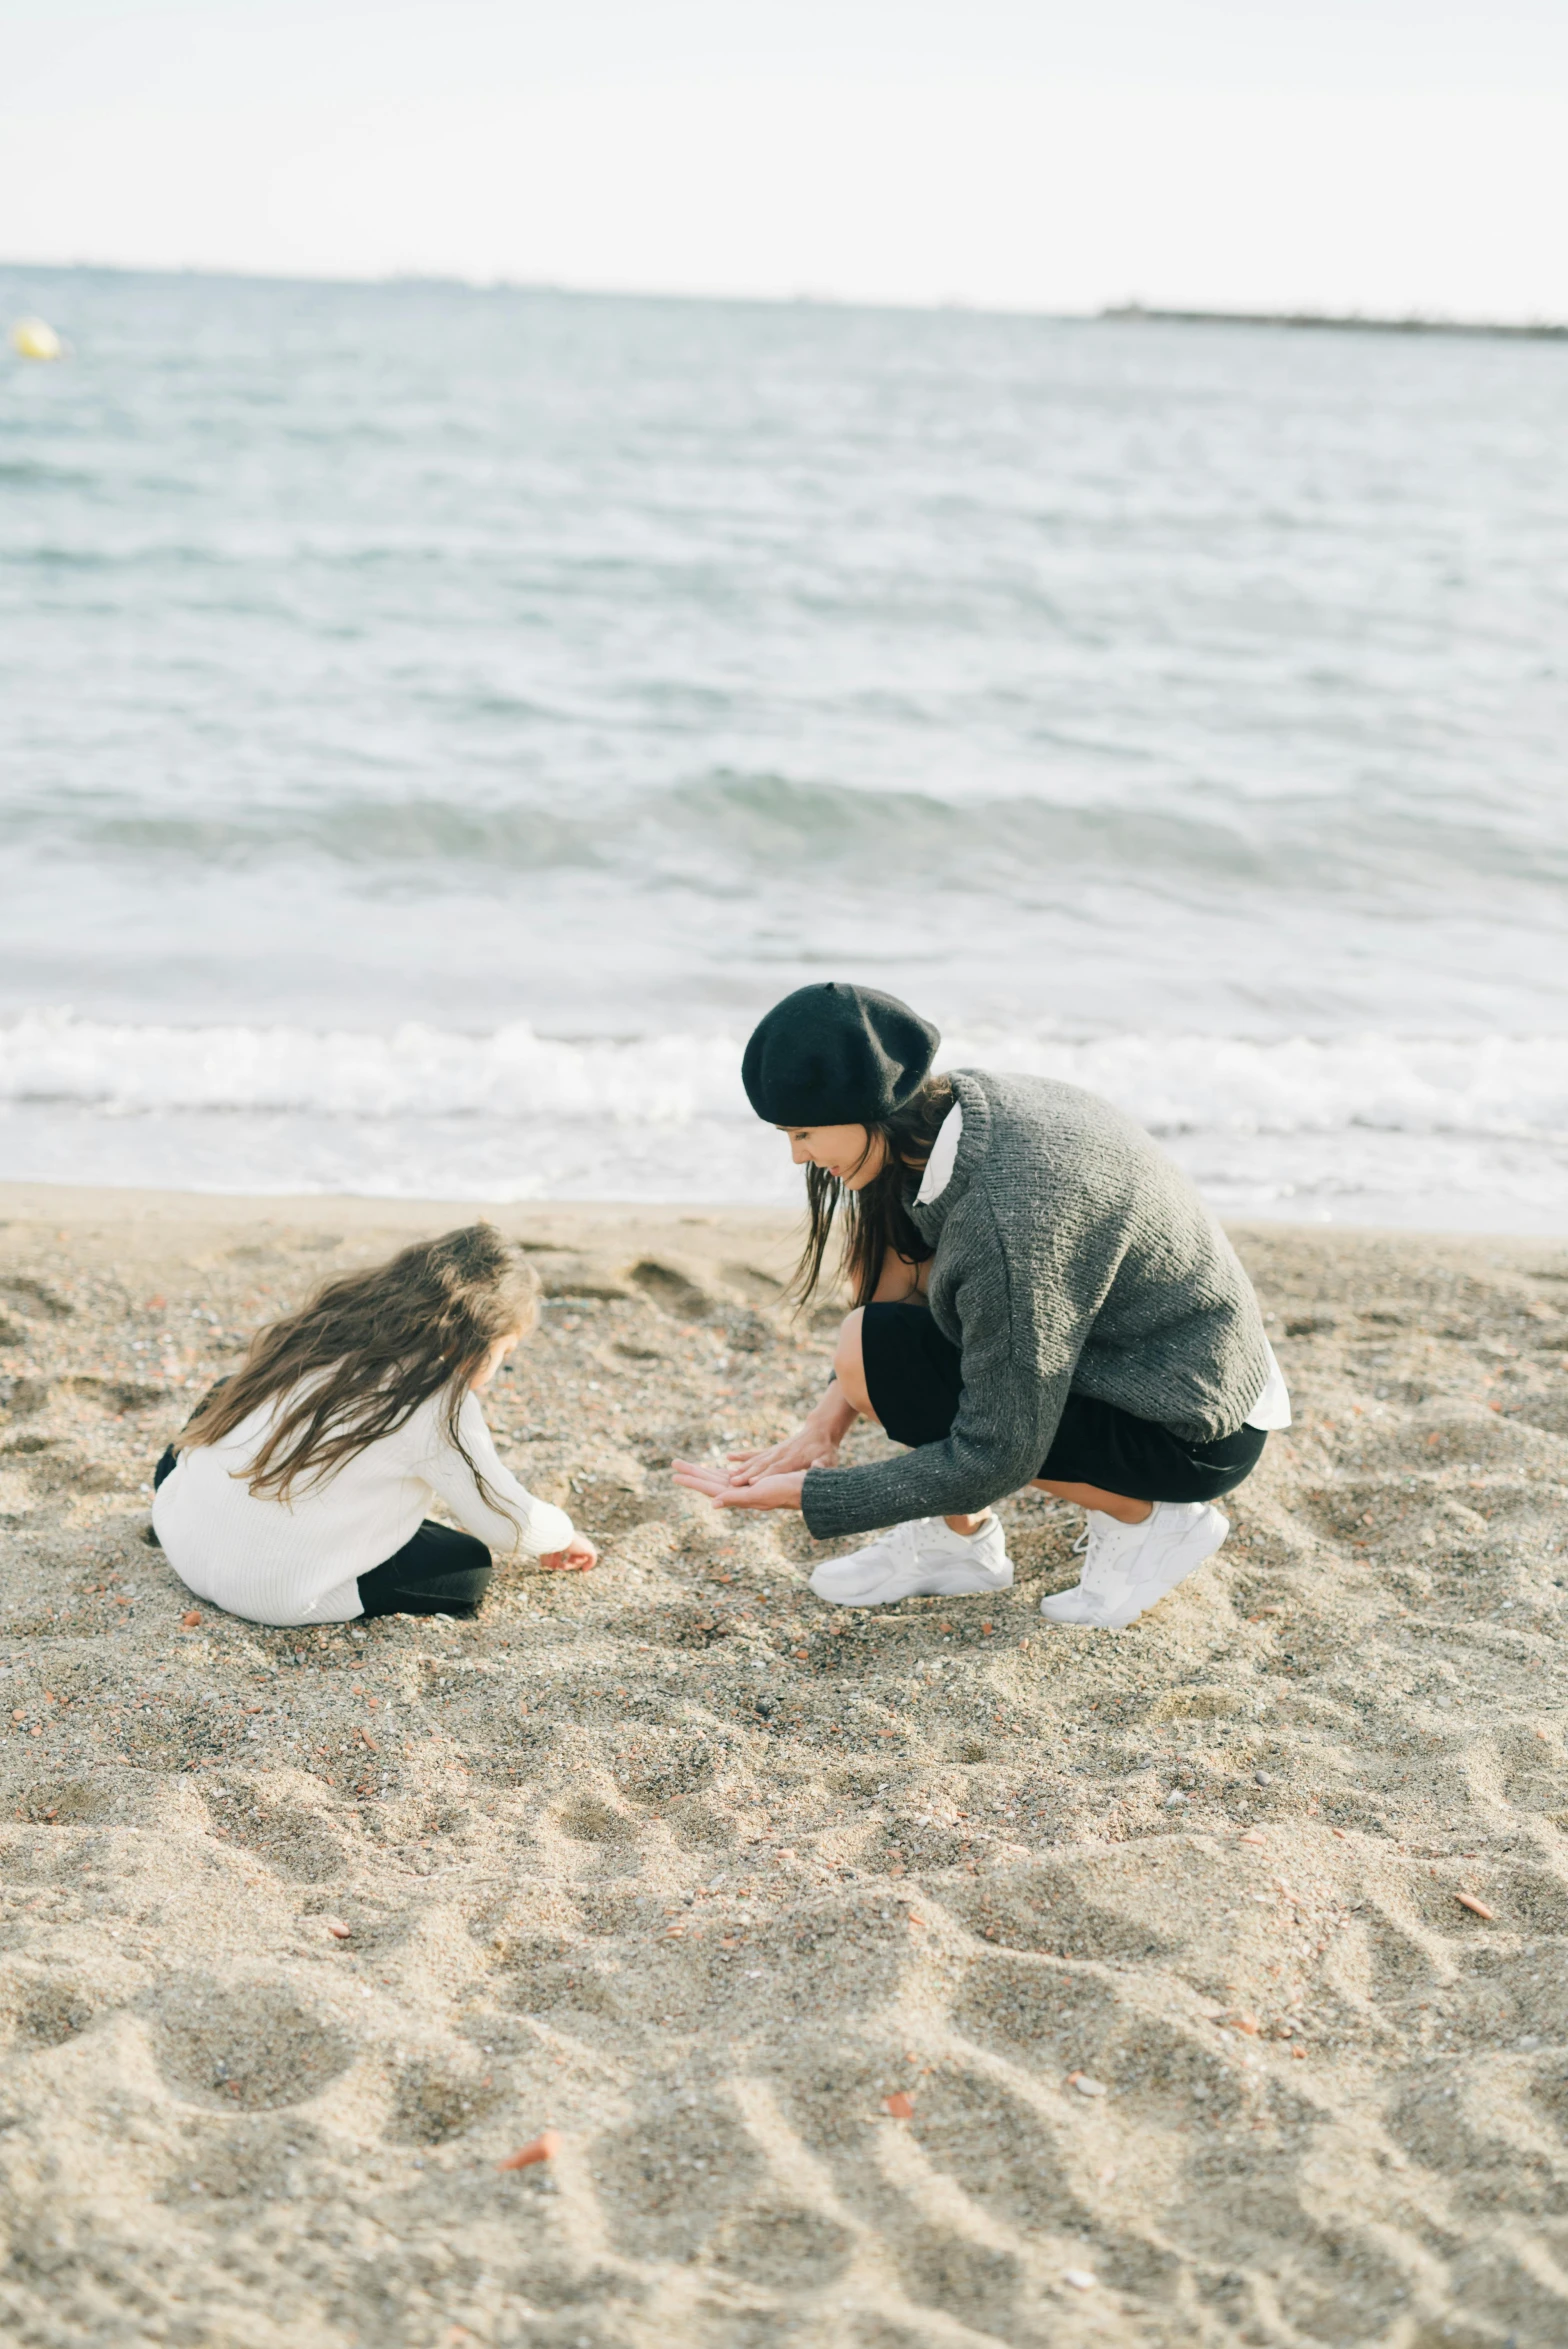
(849, 1362)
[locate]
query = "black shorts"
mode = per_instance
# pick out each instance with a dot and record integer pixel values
(912, 1378)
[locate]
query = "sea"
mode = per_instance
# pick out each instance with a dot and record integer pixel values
(436, 721)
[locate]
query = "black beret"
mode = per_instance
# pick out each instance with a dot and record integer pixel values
(833, 1055)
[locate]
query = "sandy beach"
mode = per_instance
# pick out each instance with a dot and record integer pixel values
(932, 1976)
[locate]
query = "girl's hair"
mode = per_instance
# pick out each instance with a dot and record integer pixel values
(367, 1350)
(877, 1218)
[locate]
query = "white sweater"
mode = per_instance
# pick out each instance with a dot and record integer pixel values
(299, 1561)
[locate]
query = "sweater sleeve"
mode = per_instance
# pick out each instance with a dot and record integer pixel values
(540, 1527)
(1007, 1415)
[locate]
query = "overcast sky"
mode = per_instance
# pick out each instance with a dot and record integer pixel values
(1382, 154)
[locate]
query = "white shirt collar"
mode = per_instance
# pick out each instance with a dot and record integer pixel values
(939, 1166)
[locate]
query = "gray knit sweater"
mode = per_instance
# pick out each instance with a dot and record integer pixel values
(1070, 1253)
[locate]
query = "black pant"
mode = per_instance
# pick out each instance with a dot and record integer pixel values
(438, 1571)
(913, 1382)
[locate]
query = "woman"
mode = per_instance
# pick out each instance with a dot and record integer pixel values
(1040, 1298)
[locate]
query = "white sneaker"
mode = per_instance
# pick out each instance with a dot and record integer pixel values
(1127, 1567)
(923, 1556)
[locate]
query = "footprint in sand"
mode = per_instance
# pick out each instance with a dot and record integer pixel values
(36, 2012)
(247, 2046)
(671, 2182)
(432, 2102)
(292, 1839)
(783, 2248)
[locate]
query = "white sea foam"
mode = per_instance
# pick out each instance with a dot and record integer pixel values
(1501, 1087)
(1387, 1128)
(342, 1073)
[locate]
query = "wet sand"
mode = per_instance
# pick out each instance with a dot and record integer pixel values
(1223, 1962)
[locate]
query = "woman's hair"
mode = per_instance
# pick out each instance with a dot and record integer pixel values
(876, 1217)
(358, 1360)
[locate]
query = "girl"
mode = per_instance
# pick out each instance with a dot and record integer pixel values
(297, 1493)
(1040, 1298)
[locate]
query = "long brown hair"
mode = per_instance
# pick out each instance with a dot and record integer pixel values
(367, 1350)
(876, 1218)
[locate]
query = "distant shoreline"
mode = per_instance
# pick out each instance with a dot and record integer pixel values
(1117, 313)
(1337, 322)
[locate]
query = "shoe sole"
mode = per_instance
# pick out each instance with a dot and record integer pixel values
(953, 1584)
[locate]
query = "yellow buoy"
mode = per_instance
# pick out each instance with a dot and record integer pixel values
(35, 338)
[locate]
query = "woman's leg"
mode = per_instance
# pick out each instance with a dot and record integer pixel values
(1090, 1496)
(1104, 1459)
(438, 1572)
(849, 1363)
(849, 1368)
(1101, 1456)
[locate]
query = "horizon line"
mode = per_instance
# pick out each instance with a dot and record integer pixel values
(1127, 311)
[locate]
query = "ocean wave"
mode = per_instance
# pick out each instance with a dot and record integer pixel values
(730, 829)
(347, 1073)
(391, 833)
(1502, 1088)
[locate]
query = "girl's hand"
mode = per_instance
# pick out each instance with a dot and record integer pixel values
(808, 1447)
(576, 1558)
(771, 1492)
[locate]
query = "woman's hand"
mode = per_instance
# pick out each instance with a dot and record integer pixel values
(576, 1558)
(813, 1445)
(808, 1447)
(771, 1492)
